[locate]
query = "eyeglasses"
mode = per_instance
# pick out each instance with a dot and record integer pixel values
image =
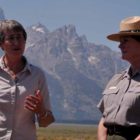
(12, 38)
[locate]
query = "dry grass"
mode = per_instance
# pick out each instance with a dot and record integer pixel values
(67, 132)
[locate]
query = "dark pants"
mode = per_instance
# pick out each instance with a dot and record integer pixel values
(117, 132)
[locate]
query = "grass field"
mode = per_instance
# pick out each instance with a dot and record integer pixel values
(67, 132)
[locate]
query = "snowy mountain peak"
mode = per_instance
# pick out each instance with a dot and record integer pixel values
(40, 28)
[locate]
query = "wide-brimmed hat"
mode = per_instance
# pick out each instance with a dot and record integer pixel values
(128, 27)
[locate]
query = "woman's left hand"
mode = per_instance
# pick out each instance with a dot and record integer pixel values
(34, 103)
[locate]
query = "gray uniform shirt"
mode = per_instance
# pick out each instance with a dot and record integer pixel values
(121, 100)
(17, 123)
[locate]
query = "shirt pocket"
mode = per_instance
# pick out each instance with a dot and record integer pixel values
(110, 96)
(111, 90)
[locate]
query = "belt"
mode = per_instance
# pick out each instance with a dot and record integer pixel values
(130, 132)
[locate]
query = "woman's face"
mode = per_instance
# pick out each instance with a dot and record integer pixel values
(130, 49)
(13, 44)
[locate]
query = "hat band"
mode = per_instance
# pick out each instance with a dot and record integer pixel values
(131, 31)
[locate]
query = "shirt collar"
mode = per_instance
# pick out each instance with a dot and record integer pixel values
(26, 68)
(128, 73)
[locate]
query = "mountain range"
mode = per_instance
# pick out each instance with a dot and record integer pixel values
(77, 71)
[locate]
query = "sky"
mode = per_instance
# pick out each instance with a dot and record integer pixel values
(93, 18)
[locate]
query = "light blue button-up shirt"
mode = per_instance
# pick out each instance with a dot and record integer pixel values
(16, 122)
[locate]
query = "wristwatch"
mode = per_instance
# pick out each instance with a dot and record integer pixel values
(44, 115)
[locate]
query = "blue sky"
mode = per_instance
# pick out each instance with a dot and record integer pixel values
(93, 18)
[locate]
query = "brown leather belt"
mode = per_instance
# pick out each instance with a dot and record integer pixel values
(130, 132)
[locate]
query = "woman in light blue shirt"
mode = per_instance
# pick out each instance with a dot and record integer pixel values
(24, 94)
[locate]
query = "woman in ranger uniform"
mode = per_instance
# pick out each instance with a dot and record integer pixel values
(120, 104)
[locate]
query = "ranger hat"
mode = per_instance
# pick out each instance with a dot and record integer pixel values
(128, 27)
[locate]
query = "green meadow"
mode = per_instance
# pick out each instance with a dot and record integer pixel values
(67, 132)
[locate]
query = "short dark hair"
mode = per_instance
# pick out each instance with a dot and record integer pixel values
(14, 25)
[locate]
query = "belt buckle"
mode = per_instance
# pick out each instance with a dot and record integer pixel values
(113, 130)
(116, 130)
(110, 130)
